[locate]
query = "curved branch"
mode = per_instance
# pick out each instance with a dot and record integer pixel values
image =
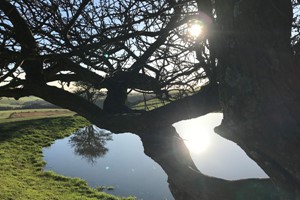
(14, 93)
(23, 33)
(204, 102)
(81, 73)
(186, 182)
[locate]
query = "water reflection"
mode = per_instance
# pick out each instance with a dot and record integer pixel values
(189, 169)
(124, 166)
(89, 143)
(196, 138)
(187, 182)
(214, 155)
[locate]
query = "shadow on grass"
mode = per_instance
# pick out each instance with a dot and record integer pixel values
(9, 130)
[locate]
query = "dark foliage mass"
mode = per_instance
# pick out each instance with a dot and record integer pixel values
(140, 45)
(62, 51)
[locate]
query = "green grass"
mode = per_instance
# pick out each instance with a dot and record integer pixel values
(150, 104)
(21, 162)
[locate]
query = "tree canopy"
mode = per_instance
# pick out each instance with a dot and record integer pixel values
(143, 44)
(119, 46)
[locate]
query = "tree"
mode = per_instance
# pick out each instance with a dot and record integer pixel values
(87, 91)
(89, 143)
(259, 84)
(113, 45)
(246, 59)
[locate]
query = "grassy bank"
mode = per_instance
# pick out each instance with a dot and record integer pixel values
(21, 162)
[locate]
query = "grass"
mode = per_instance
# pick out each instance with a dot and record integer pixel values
(30, 114)
(21, 162)
(150, 104)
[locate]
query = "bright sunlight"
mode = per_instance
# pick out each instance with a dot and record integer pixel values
(197, 133)
(195, 30)
(197, 139)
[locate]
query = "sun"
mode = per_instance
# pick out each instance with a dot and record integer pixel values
(196, 139)
(198, 133)
(195, 30)
(198, 143)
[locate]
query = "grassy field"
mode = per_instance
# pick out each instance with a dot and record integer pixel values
(15, 113)
(21, 162)
(150, 104)
(23, 134)
(30, 114)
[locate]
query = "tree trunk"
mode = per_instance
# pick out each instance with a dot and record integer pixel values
(260, 85)
(116, 99)
(166, 147)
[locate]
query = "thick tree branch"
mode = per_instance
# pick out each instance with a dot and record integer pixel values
(81, 73)
(28, 44)
(186, 182)
(67, 100)
(66, 78)
(22, 31)
(14, 93)
(204, 102)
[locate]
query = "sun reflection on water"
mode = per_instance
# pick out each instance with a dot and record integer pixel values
(197, 134)
(196, 139)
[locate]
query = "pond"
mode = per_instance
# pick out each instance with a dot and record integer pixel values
(118, 160)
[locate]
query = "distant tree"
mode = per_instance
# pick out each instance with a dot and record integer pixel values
(247, 57)
(87, 91)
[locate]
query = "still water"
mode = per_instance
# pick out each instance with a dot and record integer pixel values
(105, 159)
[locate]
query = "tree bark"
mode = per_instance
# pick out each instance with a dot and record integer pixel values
(260, 85)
